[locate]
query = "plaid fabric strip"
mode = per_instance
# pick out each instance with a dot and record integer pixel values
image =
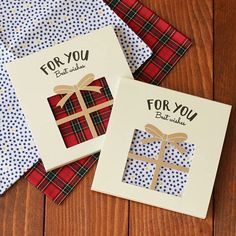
(77, 130)
(59, 183)
(100, 119)
(168, 46)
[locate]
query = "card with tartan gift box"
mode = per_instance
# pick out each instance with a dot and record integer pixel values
(25, 31)
(67, 92)
(169, 145)
(83, 113)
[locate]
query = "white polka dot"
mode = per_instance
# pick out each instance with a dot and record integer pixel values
(13, 10)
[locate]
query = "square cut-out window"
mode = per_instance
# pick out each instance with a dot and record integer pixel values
(84, 114)
(146, 168)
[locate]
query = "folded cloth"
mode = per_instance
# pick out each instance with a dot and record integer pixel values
(57, 184)
(27, 27)
(168, 44)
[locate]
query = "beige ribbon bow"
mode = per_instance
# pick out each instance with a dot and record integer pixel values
(173, 139)
(83, 84)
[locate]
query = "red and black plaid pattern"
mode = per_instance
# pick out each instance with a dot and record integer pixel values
(57, 184)
(101, 118)
(92, 99)
(77, 130)
(168, 46)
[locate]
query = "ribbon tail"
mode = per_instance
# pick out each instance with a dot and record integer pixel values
(62, 102)
(181, 149)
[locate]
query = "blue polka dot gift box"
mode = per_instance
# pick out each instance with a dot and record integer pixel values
(158, 161)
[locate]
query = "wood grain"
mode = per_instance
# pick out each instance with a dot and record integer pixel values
(87, 213)
(194, 75)
(225, 87)
(22, 211)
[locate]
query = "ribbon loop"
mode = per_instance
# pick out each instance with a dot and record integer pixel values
(173, 139)
(83, 84)
(86, 80)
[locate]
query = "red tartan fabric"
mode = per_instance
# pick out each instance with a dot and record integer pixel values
(77, 130)
(57, 184)
(168, 46)
(167, 43)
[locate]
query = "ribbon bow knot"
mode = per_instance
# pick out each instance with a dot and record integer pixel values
(83, 84)
(174, 139)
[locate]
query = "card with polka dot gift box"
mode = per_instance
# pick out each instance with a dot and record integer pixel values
(168, 148)
(67, 92)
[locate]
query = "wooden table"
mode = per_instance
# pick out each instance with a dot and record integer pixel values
(24, 210)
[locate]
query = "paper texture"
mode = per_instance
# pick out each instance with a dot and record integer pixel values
(35, 77)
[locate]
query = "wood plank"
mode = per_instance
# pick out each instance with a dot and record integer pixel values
(87, 213)
(22, 211)
(193, 75)
(225, 87)
(148, 220)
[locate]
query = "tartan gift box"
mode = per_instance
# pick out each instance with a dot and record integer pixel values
(158, 161)
(82, 111)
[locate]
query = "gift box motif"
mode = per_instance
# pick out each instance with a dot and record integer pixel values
(82, 111)
(158, 161)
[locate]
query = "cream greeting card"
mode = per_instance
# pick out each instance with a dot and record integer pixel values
(67, 93)
(162, 148)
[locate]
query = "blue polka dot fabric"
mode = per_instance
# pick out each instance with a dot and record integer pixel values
(150, 150)
(27, 27)
(169, 180)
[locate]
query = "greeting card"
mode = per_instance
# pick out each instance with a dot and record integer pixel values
(67, 92)
(168, 148)
(27, 28)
